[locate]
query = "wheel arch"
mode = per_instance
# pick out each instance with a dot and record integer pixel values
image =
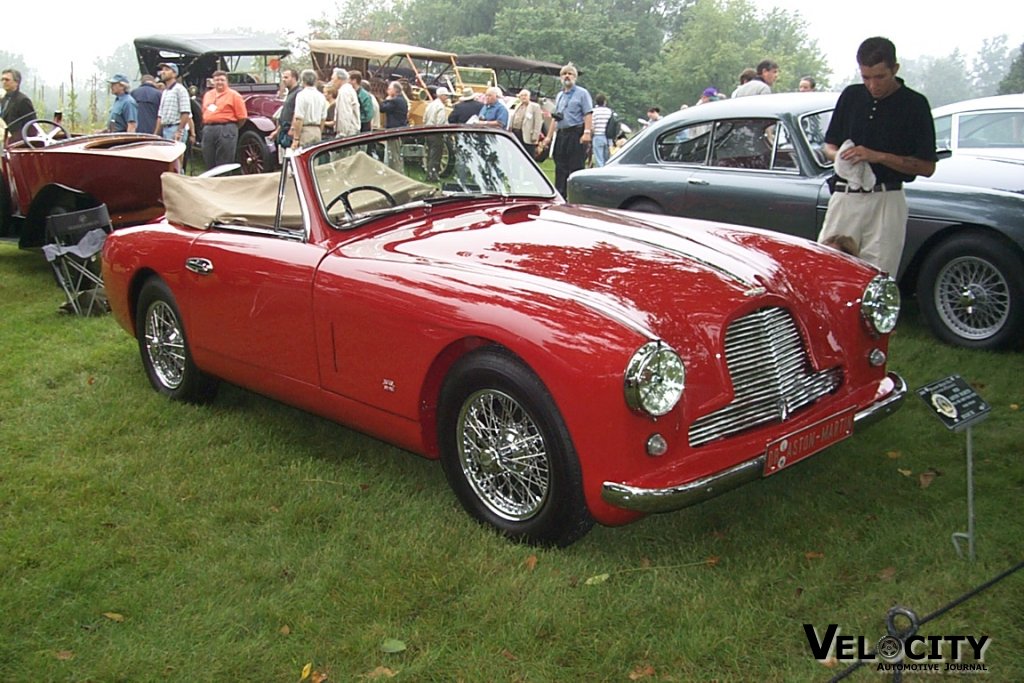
(908, 279)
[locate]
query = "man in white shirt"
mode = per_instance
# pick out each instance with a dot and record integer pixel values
(346, 108)
(310, 110)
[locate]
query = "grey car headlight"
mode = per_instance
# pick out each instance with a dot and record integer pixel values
(655, 378)
(880, 304)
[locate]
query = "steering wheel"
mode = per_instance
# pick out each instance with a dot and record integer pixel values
(42, 132)
(343, 198)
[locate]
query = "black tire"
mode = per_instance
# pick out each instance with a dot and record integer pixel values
(646, 206)
(164, 348)
(253, 154)
(533, 493)
(971, 291)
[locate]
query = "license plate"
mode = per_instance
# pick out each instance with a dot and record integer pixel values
(806, 442)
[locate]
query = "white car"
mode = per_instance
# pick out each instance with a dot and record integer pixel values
(986, 126)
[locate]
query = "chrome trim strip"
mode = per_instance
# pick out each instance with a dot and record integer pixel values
(685, 495)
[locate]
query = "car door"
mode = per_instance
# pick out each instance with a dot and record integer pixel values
(753, 177)
(250, 299)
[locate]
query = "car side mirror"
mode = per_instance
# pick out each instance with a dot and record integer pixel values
(944, 153)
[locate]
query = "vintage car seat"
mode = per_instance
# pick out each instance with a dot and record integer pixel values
(73, 244)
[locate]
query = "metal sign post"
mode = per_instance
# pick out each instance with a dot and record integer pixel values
(959, 408)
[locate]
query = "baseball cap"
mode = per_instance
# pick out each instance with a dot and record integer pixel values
(710, 92)
(119, 78)
(443, 91)
(170, 65)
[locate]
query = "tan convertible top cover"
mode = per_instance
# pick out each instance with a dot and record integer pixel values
(252, 199)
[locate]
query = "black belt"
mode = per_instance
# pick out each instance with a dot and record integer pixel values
(223, 123)
(843, 186)
(571, 127)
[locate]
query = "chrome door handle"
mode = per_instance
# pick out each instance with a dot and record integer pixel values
(199, 265)
(697, 181)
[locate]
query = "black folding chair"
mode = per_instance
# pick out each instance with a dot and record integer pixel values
(73, 244)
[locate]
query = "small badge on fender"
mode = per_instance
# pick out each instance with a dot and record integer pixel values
(389, 385)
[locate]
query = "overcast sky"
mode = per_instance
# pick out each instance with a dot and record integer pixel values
(918, 28)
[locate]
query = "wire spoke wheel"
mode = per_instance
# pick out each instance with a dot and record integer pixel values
(165, 344)
(972, 297)
(503, 455)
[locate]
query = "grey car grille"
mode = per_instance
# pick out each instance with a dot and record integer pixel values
(771, 376)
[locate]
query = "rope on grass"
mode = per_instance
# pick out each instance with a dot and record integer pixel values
(916, 623)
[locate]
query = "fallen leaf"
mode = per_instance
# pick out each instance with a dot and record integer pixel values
(114, 616)
(798, 592)
(712, 561)
(887, 574)
(508, 655)
(905, 473)
(91, 381)
(285, 630)
(645, 562)
(306, 670)
(317, 677)
(392, 646)
(814, 555)
(599, 578)
(893, 455)
(531, 563)
(64, 655)
(1014, 406)
(830, 662)
(381, 672)
(643, 671)
(926, 478)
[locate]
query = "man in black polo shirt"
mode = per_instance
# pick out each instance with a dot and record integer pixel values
(891, 129)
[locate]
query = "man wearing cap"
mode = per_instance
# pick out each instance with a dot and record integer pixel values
(124, 114)
(466, 108)
(574, 117)
(174, 118)
(346, 109)
(436, 114)
(147, 97)
(223, 111)
(17, 108)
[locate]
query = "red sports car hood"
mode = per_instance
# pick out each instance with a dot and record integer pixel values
(654, 272)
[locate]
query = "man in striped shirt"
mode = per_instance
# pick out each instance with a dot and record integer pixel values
(602, 114)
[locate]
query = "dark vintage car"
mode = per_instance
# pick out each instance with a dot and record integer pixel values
(567, 365)
(50, 171)
(758, 161)
(254, 69)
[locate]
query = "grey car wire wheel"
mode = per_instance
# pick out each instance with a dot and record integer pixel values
(972, 297)
(165, 344)
(503, 455)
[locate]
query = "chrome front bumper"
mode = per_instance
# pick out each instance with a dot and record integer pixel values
(684, 495)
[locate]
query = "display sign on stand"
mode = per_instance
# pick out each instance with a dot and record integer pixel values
(959, 407)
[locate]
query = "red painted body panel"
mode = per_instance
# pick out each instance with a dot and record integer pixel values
(360, 326)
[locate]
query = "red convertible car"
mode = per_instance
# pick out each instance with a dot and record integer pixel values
(567, 365)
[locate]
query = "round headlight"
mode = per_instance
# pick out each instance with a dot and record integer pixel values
(654, 379)
(880, 304)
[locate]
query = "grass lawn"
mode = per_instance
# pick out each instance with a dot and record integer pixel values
(147, 540)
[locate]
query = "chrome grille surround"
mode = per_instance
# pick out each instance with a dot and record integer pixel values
(771, 376)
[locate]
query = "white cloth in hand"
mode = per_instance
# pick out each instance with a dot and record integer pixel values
(858, 175)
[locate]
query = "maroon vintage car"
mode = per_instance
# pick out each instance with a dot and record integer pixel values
(567, 365)
(49, 171)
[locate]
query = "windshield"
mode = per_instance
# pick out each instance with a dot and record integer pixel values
(362, 179)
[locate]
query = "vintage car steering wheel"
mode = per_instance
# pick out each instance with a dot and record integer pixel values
(343, 198)
(45, 134)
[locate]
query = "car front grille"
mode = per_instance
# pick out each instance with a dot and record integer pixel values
(771, 376)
